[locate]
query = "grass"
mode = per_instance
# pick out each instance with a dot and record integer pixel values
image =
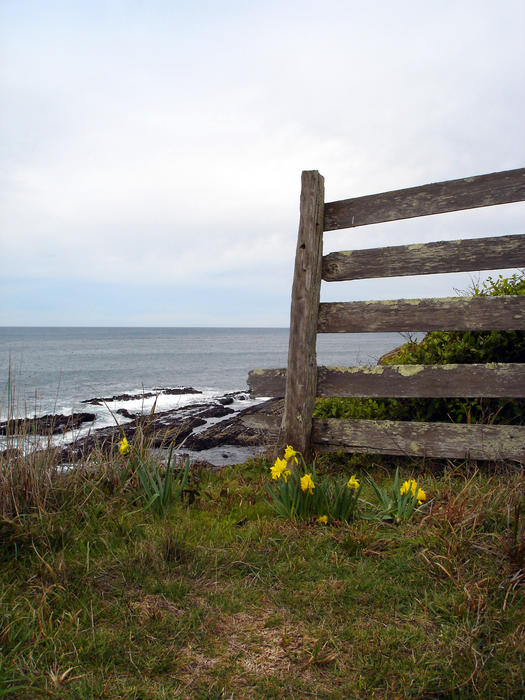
(220, 598)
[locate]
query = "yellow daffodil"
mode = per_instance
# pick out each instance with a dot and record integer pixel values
(124, 447)
(280, 469)
(411, 485)
(323, 519)
(307, 484)
(290, 454)
(407, 486)
(352, 482)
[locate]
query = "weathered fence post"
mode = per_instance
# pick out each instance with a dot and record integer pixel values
(301, 377)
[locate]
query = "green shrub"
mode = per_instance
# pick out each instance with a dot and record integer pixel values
(437, 347)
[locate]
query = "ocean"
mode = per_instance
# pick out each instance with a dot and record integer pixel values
(53, 370)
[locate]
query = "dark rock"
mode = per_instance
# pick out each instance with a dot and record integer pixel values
(127, 414)
(229, 398)
(98, 401)
(119, 397)
(179, 392)
(176, 435)
(216, 412)
(50, 424)
(234, 432)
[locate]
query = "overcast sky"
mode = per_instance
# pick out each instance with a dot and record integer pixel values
(151, 152)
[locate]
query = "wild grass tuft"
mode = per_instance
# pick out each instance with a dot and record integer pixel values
(216, 596)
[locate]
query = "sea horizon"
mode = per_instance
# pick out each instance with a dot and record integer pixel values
(56, 369)
(137, 326)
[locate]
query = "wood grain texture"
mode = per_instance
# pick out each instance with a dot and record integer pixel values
(301, 376)
(442, 440)
(452, 314)
(435, 198)
(267, 382)
(493, 253)
(433, 381)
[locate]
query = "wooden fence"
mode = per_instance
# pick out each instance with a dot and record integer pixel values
(303, 381)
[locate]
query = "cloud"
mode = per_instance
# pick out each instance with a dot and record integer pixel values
(163, 143)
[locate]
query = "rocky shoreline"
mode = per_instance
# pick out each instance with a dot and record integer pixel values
(207, 431)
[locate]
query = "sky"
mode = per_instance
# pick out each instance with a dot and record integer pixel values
(151, 151)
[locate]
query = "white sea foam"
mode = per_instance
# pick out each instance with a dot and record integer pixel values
(162, 402)
(107, 416)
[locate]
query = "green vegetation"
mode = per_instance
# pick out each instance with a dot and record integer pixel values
(448, 348)
(162, 487)
(400, 501)
(297, 492)
(215, 596)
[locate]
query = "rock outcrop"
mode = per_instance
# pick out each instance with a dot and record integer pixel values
(50, 424)
(179, 391)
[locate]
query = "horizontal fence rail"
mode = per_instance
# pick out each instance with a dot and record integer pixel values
(431, 381)
(436, 198)
(426, 258)
(449, 314)
(404, 438)
(420, 439)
